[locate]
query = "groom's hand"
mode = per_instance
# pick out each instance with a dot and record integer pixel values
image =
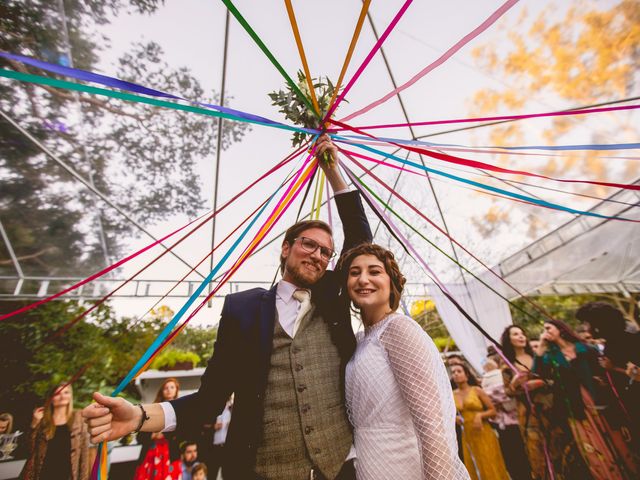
(110, 418)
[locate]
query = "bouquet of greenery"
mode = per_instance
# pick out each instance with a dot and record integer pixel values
(297, 110)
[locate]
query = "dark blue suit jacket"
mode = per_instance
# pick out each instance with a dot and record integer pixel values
(241, 358)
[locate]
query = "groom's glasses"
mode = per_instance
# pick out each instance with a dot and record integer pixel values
(309, 245)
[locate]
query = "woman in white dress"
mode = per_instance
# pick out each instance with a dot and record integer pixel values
(398, 393)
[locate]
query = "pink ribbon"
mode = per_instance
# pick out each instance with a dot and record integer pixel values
(448, 54)
(366, 61)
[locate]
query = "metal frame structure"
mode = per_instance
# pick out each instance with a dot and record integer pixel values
(21, 286)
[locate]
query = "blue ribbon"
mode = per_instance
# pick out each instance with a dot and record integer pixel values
(176, 318)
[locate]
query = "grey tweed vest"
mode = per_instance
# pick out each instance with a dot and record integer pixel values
(304, 423)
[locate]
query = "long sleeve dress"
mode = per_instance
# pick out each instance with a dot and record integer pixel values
(400, 403)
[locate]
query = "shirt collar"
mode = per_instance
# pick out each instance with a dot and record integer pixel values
(285, 290)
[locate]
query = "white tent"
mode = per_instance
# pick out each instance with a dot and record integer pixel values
(585, 255)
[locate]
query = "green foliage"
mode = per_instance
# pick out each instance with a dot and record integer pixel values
(198, 340)
(33, 360)
(297, 111)
(171, 356)
(445, 343)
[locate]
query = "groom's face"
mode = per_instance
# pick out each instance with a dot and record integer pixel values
(304, 268)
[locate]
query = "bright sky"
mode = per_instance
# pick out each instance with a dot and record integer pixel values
(191, 33)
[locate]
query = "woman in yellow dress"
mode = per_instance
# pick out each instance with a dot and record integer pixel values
(481, 450)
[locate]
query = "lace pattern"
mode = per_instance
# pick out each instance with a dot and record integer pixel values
(400, 402)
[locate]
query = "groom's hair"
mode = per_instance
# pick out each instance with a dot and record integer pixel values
(296, 229)
(390, 266)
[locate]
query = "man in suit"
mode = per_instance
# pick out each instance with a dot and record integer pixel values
(283, 353)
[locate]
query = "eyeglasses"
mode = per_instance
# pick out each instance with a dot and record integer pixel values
(309, 245)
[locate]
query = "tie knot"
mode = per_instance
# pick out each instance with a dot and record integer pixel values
(302, 295)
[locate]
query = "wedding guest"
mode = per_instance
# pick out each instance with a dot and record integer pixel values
(59, 441)
(532, 395)
(160, 452)
(506, 422)
(573, 368)
(6, 423)
(188, 459)
(482, 455)
(199, 472)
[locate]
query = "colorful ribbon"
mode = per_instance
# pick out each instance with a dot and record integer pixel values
(347, 59)
(577, 111)
(303, 56)
(491, 188)
(52, 82)
(448, 54)
(114, 82)
(486, 166)
(236, 13)
(368, 58)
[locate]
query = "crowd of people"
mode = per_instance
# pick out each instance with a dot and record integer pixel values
(566, 409)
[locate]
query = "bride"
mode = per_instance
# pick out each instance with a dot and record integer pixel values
(398, 394)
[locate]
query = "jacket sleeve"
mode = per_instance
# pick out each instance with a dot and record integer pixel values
(354, 221)
(215, 385)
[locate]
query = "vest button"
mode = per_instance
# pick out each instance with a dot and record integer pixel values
(317, 451)
(308, 430)
(302, 388)
(306, 407)
(298, 367)
(296, 349)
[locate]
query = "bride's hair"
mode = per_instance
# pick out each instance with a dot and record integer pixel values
(390, 265)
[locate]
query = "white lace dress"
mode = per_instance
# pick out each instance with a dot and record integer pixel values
(400, 403)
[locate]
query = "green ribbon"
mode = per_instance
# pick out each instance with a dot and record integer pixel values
(64, 84)
(232, 8)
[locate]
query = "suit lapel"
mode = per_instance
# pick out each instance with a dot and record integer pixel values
(267, 323)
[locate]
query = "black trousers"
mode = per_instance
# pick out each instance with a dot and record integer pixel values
(513, 451)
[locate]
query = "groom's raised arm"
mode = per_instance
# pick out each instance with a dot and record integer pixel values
(355, 225)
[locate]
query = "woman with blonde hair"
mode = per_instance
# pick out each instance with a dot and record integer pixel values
(59, 441)
(6, 423)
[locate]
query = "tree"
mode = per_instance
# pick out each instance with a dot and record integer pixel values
(144, 158)
(99, 352)
(590, 55)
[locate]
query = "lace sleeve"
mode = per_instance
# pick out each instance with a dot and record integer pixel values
(424, 383)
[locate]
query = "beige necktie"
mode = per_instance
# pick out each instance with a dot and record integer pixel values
(304, 297)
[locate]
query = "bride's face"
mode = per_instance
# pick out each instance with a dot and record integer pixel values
(368, 284)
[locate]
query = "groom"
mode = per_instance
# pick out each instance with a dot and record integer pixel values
(283, 352)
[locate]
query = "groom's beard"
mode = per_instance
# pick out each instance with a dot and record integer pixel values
(190, 463)
(303, 278)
